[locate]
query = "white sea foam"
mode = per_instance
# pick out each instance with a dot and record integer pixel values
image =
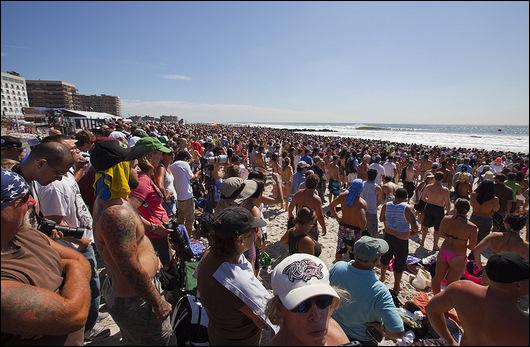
(446, 136)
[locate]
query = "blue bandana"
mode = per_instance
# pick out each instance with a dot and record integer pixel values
(13, 187)
(354, 192)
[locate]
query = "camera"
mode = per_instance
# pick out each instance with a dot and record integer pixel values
(220, 159)
(46, 226)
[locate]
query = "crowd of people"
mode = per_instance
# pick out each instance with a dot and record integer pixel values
(109, 198)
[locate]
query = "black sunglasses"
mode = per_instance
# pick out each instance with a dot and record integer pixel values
(322, 302)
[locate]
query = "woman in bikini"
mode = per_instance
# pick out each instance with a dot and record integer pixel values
(298, 238)
(460, 235)
(508, 241)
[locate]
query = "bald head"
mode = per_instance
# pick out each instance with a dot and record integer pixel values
(53, 152)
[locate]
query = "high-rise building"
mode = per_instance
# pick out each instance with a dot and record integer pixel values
(14, 94)
(100, 103)
(52, 94)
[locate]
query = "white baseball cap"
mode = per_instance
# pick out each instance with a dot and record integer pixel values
(299, 277)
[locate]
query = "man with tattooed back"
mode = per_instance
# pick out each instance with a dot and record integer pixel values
(132, 289)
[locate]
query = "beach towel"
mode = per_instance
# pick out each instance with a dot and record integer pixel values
(239, 279)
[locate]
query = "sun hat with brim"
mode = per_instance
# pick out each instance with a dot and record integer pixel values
(488, 176)
(299, 277)
(153, 144)
(368, 249)
(108, 152)
(238, 189)
(235, 221)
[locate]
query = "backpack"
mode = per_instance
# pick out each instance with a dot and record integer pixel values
(190, 321)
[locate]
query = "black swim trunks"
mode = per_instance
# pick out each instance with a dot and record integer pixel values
(433, 216)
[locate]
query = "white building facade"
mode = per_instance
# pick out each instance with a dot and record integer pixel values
(14, 95)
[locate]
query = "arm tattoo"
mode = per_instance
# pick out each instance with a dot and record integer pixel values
(119, 227)
(27, 308)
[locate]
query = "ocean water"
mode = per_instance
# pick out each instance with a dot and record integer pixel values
(489, 137)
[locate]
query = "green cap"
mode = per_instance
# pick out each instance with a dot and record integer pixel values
(368, 249)
(153, 144)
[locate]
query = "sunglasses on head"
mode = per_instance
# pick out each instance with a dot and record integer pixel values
(322, 302)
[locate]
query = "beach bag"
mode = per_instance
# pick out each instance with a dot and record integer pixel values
(190, 321)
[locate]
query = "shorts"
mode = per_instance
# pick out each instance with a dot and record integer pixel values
(409, 187)
(136, 319)
(372, 224)
(334, 187)
(347, 236)
(420, 206)
(397, 248)
(186, 212)
(484, 224)
(433, 216)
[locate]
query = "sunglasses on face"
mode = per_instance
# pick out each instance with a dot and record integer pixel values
(322, 302)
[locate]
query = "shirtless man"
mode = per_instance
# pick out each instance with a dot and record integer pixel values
(352, 223)
(389, 188)
(259, 159)
(309, 197)
(130, 290)
(410, 178)
(362, 170)
(436, 197)
(334, 178)
(425, 165)
(489, 315)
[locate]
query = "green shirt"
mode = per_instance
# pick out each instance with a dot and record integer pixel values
(515, 187)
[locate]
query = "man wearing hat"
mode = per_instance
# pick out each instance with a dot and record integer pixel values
(131, 289)
(11, 148)
(490, 315)
(45, 286)
(299, 177)
(371, 300)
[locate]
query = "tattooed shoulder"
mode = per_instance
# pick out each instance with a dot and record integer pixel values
(118, 223)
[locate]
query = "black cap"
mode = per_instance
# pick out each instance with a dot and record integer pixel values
(10, 142)
(108, 152)
(235, 221)
(507, 267)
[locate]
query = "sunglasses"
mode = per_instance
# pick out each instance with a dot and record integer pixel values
(322, 302)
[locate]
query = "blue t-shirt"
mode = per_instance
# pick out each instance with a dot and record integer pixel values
(297, 180)
(370, 301)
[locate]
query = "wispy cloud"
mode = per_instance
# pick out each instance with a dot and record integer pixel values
(176, 77)
(204, 112)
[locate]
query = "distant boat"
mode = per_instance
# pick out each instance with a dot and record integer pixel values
(499, 129)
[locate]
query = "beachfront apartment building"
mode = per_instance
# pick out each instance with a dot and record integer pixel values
(100, 103)
(14, 94)
(52, 94)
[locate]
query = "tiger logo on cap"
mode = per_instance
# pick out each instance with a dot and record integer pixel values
(304, 270)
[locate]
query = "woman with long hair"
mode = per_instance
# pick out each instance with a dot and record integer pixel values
(147, 198)
(485, 204)
(460, 235)
(164, 181)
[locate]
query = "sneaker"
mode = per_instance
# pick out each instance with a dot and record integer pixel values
(98, 331)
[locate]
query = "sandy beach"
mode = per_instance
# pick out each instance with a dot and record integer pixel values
(276, 218)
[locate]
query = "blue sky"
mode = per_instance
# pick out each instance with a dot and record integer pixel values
(387, 62)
